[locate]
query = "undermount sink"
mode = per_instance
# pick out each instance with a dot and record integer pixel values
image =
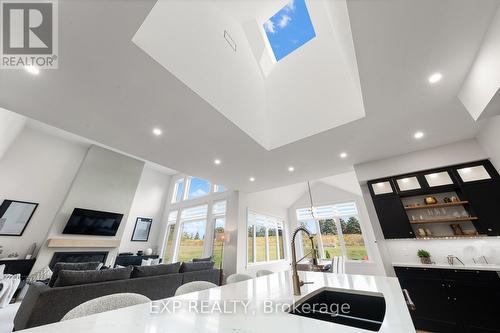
(365, 309)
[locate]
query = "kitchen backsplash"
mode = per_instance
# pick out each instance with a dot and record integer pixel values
(405, 250)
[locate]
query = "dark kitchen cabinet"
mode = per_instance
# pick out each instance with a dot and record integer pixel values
(453, 300)
(484, 198)
(393, 219)
(435, 309)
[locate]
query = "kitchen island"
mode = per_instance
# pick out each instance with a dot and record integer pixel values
(247, 309)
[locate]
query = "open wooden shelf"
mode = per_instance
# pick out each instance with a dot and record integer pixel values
(440, 205)
(451, 219)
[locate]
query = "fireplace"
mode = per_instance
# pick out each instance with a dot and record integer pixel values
(78, 257)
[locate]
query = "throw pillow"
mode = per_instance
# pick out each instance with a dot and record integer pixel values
(79, 266)
(41, 275)
(202, 259)
(196, 266)
(146, 262)
(153, 270)
(72, 278)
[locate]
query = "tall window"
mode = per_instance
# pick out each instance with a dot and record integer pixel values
(178, 191)
(219, 188)
(339, 231)
(219, 217)
(197, 187)
(264, 238)
(193, 225)
(169, 247)
(189, 188)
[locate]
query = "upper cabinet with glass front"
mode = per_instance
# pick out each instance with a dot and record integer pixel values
(438, 178)
(383, 187)
(476, 172)
(408, 183)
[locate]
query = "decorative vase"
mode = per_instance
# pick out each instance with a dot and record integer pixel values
(425, 260)
(430, 200)
(148, 251)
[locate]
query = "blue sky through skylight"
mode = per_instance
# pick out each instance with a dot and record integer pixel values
(289, 29)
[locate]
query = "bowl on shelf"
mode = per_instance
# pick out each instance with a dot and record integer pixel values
(430, 200)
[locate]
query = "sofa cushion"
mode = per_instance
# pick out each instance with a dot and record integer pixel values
(196, 266)
(143, 271)
(150, 262)
(71, 278)
(79, 266)
(202, 259)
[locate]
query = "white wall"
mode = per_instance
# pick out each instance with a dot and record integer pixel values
(454, 153)
(483, 81)
(395, 250)
(149, 202)
(324, 194)
(261, 202)
(11, 125)
(106, 181)
(489, 139)
(37, 168)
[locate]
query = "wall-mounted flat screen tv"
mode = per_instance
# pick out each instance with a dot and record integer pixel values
(92, 222)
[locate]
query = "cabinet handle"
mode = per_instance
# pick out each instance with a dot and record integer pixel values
(408, 300)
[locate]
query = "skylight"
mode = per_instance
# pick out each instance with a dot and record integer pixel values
(289, 29)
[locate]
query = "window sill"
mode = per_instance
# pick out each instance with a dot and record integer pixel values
(262, 263)
(356, 262)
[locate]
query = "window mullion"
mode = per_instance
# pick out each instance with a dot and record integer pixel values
(341, 236)
(254, 240)
(278, 250)
(319, 240)
(267, 238)
(209, 232)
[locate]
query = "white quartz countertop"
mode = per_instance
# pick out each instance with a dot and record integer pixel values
(276, 288)
(472, 267)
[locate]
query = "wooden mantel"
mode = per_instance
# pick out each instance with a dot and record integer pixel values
(82, 242)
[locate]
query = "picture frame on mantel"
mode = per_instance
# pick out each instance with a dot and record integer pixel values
(141, 229)
(15, 216)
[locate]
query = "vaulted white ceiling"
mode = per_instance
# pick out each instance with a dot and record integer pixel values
(109, 90)
(311, 90)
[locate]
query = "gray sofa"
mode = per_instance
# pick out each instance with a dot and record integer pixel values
(45, 305)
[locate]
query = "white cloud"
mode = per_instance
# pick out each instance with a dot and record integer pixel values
(285, 19)
(290, 7)
(269, 26)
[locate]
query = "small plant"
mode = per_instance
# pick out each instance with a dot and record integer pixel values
(423, 254)
(425, 257)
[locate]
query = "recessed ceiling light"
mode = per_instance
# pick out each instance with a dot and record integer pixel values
(217, 161)
(32, 70)
(157, 131)
(343, 155)
(418, 135)
(291, 169)
(436, 77)
(252, 179)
